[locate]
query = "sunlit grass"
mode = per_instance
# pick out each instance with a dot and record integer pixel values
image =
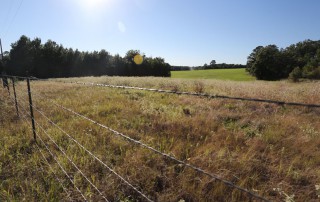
(262, 147)
(220, 74)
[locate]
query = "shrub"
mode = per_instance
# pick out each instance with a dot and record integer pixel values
(296, 74)
(311, 72)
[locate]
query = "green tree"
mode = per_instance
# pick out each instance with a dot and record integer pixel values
(20, 57)
(252, 59)
(118, 65)
(269, 63)
(213, 64)
(53, 60)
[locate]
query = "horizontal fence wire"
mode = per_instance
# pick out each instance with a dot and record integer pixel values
(205, 95)
(77, 168)
(69, 159)
(54, 173)
(53, 156)
(213, 176)
(46, 161)
(201, 95)
(24, 77)
(82, 195)
(90, 153)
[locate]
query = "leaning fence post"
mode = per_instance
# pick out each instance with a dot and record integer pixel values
(31, 110)
(15, 95)
(6, 83)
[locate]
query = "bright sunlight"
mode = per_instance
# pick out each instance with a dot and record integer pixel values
(94, 5)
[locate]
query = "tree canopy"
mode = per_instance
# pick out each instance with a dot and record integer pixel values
(51, 60)
(301, 60)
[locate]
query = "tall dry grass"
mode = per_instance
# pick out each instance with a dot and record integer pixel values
(269, 149)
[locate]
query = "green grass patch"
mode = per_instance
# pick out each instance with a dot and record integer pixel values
(221, 74)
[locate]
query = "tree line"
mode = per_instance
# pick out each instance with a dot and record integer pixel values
(51, 60)
(297, 61)
(211, 65)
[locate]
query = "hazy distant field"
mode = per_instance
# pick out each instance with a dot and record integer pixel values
(221, 74)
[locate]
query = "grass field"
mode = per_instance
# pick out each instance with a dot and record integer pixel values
(269, 149)
(221, 74)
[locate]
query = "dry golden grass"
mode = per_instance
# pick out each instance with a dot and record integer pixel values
(269, 149)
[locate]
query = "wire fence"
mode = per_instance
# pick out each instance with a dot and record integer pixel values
(205, 95)
(228, 183)
(23, 112)
(85, 149)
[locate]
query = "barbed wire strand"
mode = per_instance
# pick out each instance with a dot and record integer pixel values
(201, 95)
(54, 173)
(228, 183)
(44, 158)
(72, 162)
(157, 151)
(210, 96)
(47, 162)
(62, 168)
(26, 121)
(64, 153)
(59, 164)
(90, 153)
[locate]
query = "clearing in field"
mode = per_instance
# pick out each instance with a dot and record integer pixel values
(271, 150)
(220, 74)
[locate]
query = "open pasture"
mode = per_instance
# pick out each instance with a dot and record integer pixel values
(271, 150)
(220, 74)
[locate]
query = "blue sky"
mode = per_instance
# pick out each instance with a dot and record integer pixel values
(184, 32)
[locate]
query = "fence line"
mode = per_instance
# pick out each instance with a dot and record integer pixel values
(200, 94)
(59, 164)
(228, 183)
(47, 162)
(213, 176)
(205, 95)
(54, 173)
(63, 152)
(90, 153)
(62, 168)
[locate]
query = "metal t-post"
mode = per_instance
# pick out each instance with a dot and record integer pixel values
(15, 96)
(31, 110)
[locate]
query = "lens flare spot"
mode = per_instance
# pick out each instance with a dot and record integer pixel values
(138, 59)
(121, 27)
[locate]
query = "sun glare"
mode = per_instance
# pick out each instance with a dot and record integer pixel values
(93, 5)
